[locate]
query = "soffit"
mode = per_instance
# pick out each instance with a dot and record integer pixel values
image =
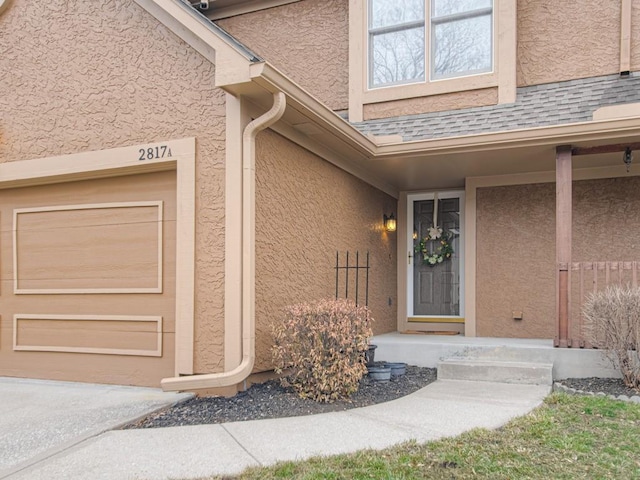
(451, 170)
(219, 9)
(446, 163)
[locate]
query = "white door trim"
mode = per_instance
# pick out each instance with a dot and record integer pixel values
(411, 198)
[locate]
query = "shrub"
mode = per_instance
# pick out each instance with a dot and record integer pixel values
(613, 321)
(321, 346)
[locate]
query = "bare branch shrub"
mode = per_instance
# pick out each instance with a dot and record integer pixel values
(322, 345)
(613, 324)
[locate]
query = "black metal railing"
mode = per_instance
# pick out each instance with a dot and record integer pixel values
(355, 269)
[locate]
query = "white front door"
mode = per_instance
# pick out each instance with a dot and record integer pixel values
(435, 251)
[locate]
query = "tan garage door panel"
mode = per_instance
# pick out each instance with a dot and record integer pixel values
(87, 280)
(107, 334)
(95, 248)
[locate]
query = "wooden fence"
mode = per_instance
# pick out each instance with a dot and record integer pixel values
(591, 277)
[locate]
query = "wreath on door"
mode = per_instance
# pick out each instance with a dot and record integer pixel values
(442, 251)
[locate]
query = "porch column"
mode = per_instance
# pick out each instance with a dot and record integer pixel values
(563, 242)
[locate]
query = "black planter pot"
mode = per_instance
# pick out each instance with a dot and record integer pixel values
(370, 354)
(380, 374)
(397, 369)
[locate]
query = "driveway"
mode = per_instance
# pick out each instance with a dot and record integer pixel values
(39, 418)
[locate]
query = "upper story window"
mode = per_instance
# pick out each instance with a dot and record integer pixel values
(460, 34)
(396, 41)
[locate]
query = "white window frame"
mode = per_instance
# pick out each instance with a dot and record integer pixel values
(433, 21)
(399, 27)
(502, 78)
(428, 23)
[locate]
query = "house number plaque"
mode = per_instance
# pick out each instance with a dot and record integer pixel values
(153, 153)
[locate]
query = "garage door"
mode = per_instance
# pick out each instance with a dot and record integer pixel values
(88, 280)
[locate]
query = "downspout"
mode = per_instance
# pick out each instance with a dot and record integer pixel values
(248, 320)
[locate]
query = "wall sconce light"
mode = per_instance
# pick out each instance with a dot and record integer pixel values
(390, 224)
(627, 158)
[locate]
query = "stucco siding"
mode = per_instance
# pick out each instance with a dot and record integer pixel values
(565, 40)
(81, 76)
(516, 248)
(435, 103)
(515, 261)
(307, 40)
(635, 35)
(306, 211)
(605, 220)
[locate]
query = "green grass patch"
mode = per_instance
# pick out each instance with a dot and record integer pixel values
(569, 437)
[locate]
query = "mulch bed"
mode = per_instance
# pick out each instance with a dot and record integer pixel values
(270, 400)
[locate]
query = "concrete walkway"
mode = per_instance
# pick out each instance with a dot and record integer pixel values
(444, 408)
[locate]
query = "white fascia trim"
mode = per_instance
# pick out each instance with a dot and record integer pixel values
(536, 136)
(232, 64)
(271, 79)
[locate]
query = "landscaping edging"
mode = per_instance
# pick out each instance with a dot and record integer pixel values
(559, 387)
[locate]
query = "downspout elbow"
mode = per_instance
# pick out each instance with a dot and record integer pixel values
(242, 371)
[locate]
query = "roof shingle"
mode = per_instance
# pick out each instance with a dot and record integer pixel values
(536, 106)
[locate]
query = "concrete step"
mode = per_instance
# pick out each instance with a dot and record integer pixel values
(428, 350)
(509, 354)
(486, 370)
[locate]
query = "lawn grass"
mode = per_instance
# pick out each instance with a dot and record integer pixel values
(569, 437)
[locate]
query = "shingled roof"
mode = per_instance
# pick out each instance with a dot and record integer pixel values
(536, 106)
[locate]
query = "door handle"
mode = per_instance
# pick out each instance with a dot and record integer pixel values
(409, 257)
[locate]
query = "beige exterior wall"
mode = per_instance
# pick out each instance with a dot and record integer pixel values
(306, 40)
(605, 220)
(84, 76)
(435, 103)
(516, 248)
(565, 40)
(306, 211)
(515, 257)
(635, 35)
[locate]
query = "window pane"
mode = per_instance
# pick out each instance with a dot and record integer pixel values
(463, 46)
(440, 8)
(397, 56)
(436, 287)
(393, 12)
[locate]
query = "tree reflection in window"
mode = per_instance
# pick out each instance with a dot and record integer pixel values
(461, 38)
(396, 41)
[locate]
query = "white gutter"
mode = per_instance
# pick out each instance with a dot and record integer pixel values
(268, 77)
(248, 320)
